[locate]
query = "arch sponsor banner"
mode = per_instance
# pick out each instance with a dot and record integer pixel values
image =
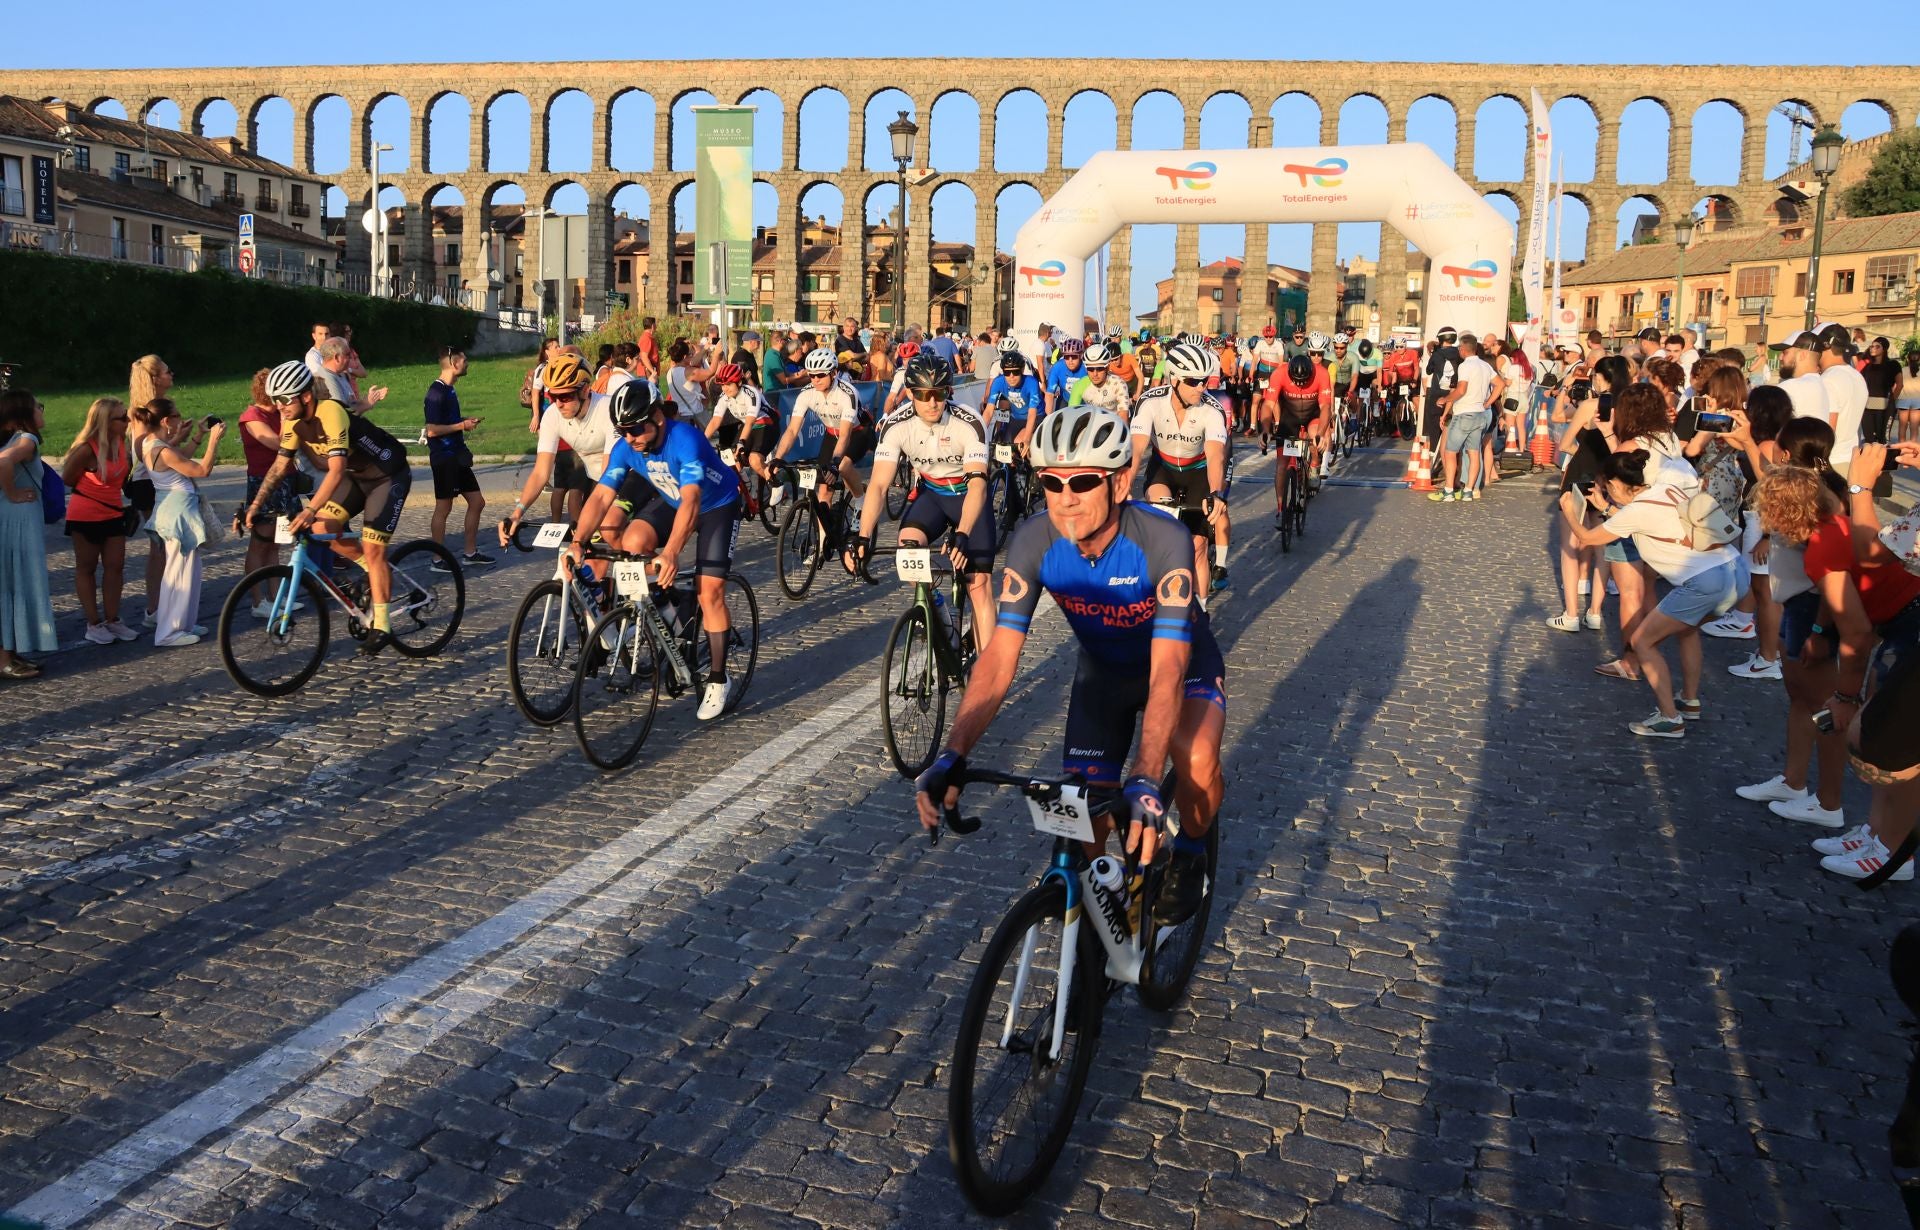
(1406, 186)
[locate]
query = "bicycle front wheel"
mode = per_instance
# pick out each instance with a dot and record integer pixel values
(427, 602)
(897, 494)
(616, 690)
(743, 639)
(278, 654)
(1289, 477)
(913, 697)
(543, 647)
(1012, 1101)
(799, 549)
(1176, 950)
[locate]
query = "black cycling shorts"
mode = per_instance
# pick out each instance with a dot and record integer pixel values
(714, 534)
(381, 501)
(1106, 702)
(1367, 379)
(857, 447)
(933, 512)
(1189, 487)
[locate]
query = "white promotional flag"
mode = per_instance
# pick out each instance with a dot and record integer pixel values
(1533, 270)
(1559, 220)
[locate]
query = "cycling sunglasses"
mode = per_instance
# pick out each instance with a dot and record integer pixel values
(564, 395)
(1192, 384)
(1082, 483)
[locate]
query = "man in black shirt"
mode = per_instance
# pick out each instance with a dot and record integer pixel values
(1442, 365)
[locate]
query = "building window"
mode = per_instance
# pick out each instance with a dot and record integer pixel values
(1703, 305)
(686, 273)
(230, 184)
(1755, 283)
(197, 176)
(117, 237)
(83, 158)
(1625, 313)
(1888, 272)
(122, 162)
(1591, 309)
(1216, 320)
(13, 186)
(1800, 285)
(453, 254)
(625, 271)
(160, 169)
(1219, 295)
(158, 235)
(1843, 281)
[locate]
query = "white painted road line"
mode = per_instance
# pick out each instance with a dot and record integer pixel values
(388, 1025)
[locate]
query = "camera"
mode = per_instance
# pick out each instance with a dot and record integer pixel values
(1580, 390)
(210, 422)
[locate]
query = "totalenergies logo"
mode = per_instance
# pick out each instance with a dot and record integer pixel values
(1194, 177)
(1325, 173)
(1048, 273)
(1477, 276)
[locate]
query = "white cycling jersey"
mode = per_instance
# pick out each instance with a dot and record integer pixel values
(1109, 395)
(837, 408)
(1270, 351)
(1180, 439)
(747, 406)
(590, 435)
(940, 451)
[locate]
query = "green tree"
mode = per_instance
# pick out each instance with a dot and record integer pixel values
(1516, 299)
(1892, 183)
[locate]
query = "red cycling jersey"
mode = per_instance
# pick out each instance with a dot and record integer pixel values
(1298, 403)
(1404, 365)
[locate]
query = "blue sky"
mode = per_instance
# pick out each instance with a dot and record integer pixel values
(206, 34)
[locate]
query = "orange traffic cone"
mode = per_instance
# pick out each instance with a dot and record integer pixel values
(1513, 436)
(1542, 446)
(1419, 467)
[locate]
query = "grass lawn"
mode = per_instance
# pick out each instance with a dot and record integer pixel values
(490, 391)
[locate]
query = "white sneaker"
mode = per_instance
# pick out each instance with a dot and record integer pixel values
(120, 631)
(1773, 790)
(179, 639)
(97, 634)
(1755, 667)
(1861, 863)
(1732, 626)
(1586, 587)
(1846, 843)
(1809, 810)
(775, 495)
(713, 700)
(1594, 620)
(150, 620)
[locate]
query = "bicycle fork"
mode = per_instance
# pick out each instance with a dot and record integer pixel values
(1069, 951)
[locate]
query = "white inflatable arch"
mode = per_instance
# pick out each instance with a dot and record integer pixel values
(1405, 185)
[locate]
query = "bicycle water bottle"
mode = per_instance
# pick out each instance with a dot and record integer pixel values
(945, 617)
(1109, 892)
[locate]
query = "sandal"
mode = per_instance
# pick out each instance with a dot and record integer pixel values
(19, 669)
(1616, 670)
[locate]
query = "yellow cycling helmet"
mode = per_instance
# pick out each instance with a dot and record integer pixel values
(565, 371)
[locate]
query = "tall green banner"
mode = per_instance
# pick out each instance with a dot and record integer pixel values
(723, 206)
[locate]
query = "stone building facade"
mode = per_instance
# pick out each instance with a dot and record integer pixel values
(1607, 89)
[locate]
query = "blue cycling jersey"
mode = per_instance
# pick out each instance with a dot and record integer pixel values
(1140, 589)
(1060, 379)
(684, 457)
(1022, 399)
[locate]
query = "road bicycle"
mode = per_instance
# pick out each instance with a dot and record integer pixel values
(812, 532)
(756, 493)
(544, 640)
(1033, 1014)
(1011, 489)
(278, 654)
(929, 653)
(652, 639)
(1291, 505)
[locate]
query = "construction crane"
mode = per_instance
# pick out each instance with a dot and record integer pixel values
(1798, 116)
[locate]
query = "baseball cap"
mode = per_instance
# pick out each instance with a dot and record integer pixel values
(1837, 339)
(1648, 334)
(749, 336)
(1803, 338)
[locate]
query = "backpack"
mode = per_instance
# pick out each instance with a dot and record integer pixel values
(1705, 524)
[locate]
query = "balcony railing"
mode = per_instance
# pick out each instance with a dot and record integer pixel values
(299, 209)
(236, 199)
(266, 204)
(1755, 305)
(1889, 296)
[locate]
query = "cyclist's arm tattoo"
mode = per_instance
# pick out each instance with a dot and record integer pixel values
(270, 483)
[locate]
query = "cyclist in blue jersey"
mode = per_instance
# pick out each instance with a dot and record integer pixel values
(674, 486)
(1123, 575)
(1065, 373)
(1014, 401)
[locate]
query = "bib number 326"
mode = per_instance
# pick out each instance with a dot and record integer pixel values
(1065, 815)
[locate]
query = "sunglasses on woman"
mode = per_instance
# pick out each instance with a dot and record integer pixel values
(1080, 484)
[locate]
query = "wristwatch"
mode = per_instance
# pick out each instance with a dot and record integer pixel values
(1855, 489)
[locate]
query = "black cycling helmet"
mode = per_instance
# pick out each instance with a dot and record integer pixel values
(929, 372)
(1300, 369)
(1366, 348)
(1012, 364)
(631, 405)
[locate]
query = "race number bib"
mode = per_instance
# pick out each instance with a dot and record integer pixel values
(1066, 816)
(1294, 448)
(1003, 453)
(913, 564)
(630, 578)
(552, 534)
(807, 476)
(729, 456)
(282, 530)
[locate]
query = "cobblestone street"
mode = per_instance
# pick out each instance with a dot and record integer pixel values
(383, 953)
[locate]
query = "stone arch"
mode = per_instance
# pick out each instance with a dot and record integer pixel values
(1719, 132)
(953, 132)
(1716, 211)
(821, 200)
(1296, 119)
(769, 127)
(444, 243)
(567, 196)
(826, 129)
(1573, 225)
(951, 221)
(1017, 112)
(113, 108)
(680, 127)
(1627, 218)
(506, 141)
(1089, 123)
(1363, 120)
(1576, 137)
(1225, 120)
(1433, 121)
(329, 133)
(1507, 205)
(389, 120)
(448, 134)
(766, 202)
(216, 117)
(1157, 120)
(270, 130)
(333, 202)
(954, 297)
(1500, 145)
(630, 122)
(161, 112)
(567, 128)
(1867, 117)
(881, 108)
(1646, 130)
(1788, 141)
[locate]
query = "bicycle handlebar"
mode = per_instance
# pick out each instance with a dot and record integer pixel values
(1101, 800)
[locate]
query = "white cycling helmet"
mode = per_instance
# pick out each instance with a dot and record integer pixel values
(1009, 344)
(1316, 343)
(288, 381)
(1099, 355)
(1188, 339)
(1082, 437)
(1186, 361)
(821, 362)
(1341, 339)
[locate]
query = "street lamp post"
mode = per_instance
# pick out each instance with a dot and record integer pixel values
(1826, 160)
(378, 267)
(903, 131)
(1683, 236)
